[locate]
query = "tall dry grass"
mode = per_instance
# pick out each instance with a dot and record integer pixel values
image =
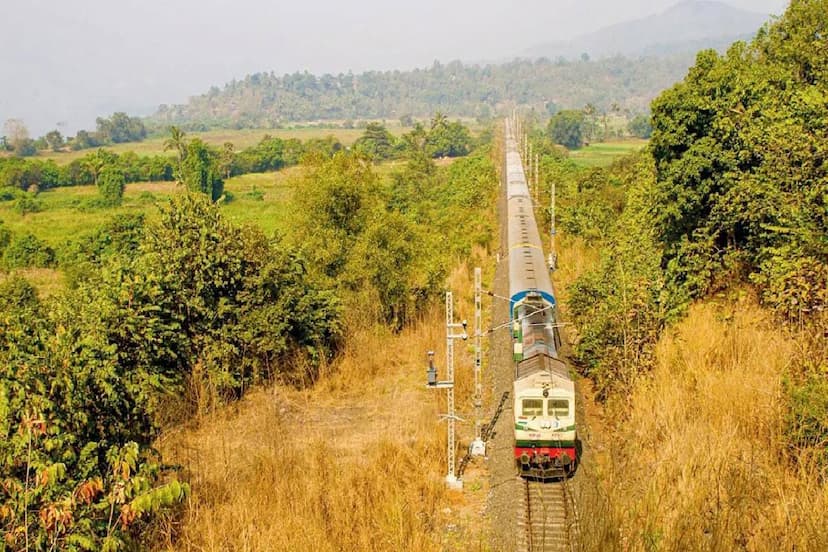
(354, 463)
(695, 457)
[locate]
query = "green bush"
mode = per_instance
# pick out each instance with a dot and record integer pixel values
(8, 193)
(806, 419)
(28, 251)
(111, 185)
(255, 195)
(27, 203)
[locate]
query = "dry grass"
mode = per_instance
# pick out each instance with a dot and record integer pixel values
(354, 463)
(695, 458)
(47, 281)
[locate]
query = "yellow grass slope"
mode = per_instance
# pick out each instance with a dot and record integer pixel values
(697, 459)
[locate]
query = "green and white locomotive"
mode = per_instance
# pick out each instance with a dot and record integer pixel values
(544, 393)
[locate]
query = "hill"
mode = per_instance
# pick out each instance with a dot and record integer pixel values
(267, 100)
(687, 27)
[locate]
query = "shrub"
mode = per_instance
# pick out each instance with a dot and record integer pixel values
(27, 204)
(111, 184)
(255, 195)
(806, 419)
(28, 251)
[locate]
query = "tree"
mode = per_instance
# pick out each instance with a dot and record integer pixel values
(121, 128)
(567, 128)
(200, 171)
(640, 126)
(55, 140)
(333, 203)
(376, 142)
(17, 137)
(84, 140)
(448, 139)
(111, 184)
(16, 132)
(178, 143)
(98, 161)
(227, 156)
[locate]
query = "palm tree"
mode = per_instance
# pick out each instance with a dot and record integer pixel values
(177, 142)
(439, 120)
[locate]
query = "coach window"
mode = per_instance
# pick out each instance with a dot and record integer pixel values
(559, 408)
(532, 407)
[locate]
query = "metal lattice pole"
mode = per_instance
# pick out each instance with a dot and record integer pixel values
(537, 181)
(478, 349)
(450, 375)
(553, 255)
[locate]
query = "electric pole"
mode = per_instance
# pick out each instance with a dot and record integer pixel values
(478, 447)
(431, 381)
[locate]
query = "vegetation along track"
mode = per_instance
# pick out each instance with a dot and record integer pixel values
(548, 521)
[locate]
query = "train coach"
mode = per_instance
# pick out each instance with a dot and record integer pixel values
(544, 393)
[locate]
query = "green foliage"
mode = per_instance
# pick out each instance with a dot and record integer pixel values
(25, 148)
(217, 280)
(27, 250)
(111, 185)
(376, 142)
(448, 139)
(120, 237)
(387, 246)
(120, 128)
(27, 203)
(85, 139)
(87, 379)
(334, 201)
(5, 238)
(7, 193)
(55, 140)
(640, 126)
(567, 128)
(200, 171)
(459, 90)
(620, 307)
(806, 419)
(737, 148)
(390, 259)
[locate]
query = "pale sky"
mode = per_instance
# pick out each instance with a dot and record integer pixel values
(66, 62)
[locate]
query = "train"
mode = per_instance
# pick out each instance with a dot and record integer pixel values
(543, 391)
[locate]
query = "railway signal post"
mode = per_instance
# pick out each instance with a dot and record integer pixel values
(451, 477)
(478, 446)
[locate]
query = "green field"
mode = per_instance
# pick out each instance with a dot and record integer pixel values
(604, 153)
(257, 198)
(67, 214)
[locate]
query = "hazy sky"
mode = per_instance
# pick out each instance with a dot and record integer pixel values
(69, 61)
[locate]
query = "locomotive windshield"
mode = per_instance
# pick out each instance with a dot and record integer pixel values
(532, 407)
(559, 408)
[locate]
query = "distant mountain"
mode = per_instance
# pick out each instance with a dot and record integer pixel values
(631, 63)
(689, 26)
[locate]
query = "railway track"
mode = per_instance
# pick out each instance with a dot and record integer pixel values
(548, 521)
